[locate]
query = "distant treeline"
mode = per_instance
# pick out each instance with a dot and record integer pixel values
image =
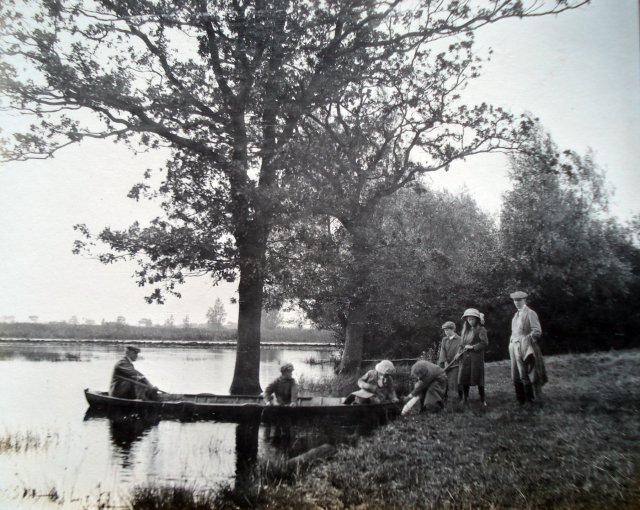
(113, 331)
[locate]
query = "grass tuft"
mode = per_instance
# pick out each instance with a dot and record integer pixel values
(21, 442)
(171, 498)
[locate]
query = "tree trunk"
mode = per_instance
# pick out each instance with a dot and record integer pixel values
(357, 313)
(246, 376)
(353, 342)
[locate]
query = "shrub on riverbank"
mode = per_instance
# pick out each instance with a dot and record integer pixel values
(581, 450)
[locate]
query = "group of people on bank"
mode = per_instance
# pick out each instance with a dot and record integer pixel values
(460, 366)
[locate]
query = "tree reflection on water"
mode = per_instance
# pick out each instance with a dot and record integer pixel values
(126, 430)
(281, 440)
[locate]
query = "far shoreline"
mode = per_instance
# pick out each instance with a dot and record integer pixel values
(168, 343)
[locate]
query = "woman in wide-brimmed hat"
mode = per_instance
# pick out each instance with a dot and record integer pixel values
(474, 343)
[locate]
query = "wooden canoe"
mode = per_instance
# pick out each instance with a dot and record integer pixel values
(242, 407)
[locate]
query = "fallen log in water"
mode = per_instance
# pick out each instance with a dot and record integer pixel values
(320, 452)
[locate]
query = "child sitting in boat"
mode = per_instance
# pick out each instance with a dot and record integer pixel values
(376, 386)
(283, 391)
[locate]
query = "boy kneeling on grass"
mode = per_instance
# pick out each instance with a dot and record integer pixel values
(429, 389)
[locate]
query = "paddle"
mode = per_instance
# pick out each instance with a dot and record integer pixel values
(140, 383)
(456, 358)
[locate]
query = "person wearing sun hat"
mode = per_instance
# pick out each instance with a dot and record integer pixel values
(449, 347)
(376, 385)
(282, 391)
(528, 371)
(474, 343)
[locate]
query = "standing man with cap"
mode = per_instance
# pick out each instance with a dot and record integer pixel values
(449, 347)
(283, 391)
(127, 382)
(527, 365)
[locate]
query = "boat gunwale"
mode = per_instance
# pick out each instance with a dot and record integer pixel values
(97, 398)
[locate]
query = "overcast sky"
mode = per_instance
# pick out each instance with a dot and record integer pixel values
(578, 72)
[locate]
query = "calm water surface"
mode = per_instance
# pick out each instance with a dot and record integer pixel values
(54, 447)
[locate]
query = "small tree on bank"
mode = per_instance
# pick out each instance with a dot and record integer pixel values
(216, 315)
(170, 322)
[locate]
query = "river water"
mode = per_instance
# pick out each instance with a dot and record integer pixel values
(55, 455)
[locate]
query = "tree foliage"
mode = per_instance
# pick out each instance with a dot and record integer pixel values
(432, 254)
(377, 138)
(272, 319)
(560, 244)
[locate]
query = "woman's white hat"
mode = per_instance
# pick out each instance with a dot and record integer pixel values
(385, 367)
(472, 312)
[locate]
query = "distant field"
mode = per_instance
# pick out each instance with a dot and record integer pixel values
(111, 331)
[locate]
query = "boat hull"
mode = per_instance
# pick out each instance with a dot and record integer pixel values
(235, 408)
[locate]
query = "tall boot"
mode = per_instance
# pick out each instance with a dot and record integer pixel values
(537, 391)
(528, 393)
(520, 395)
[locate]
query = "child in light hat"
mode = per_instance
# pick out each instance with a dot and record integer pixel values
(376, 385)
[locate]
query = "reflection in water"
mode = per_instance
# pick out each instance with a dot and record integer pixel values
(280, 435)
(126, 430)
(246, 457)
(281, 440)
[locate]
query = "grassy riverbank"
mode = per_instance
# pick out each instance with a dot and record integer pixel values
(581, 450)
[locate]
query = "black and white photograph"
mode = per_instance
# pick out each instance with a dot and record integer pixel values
(319, 254)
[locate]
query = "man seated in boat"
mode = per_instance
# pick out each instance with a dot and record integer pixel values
(283, 391)
(376, 386)
(127, 382)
